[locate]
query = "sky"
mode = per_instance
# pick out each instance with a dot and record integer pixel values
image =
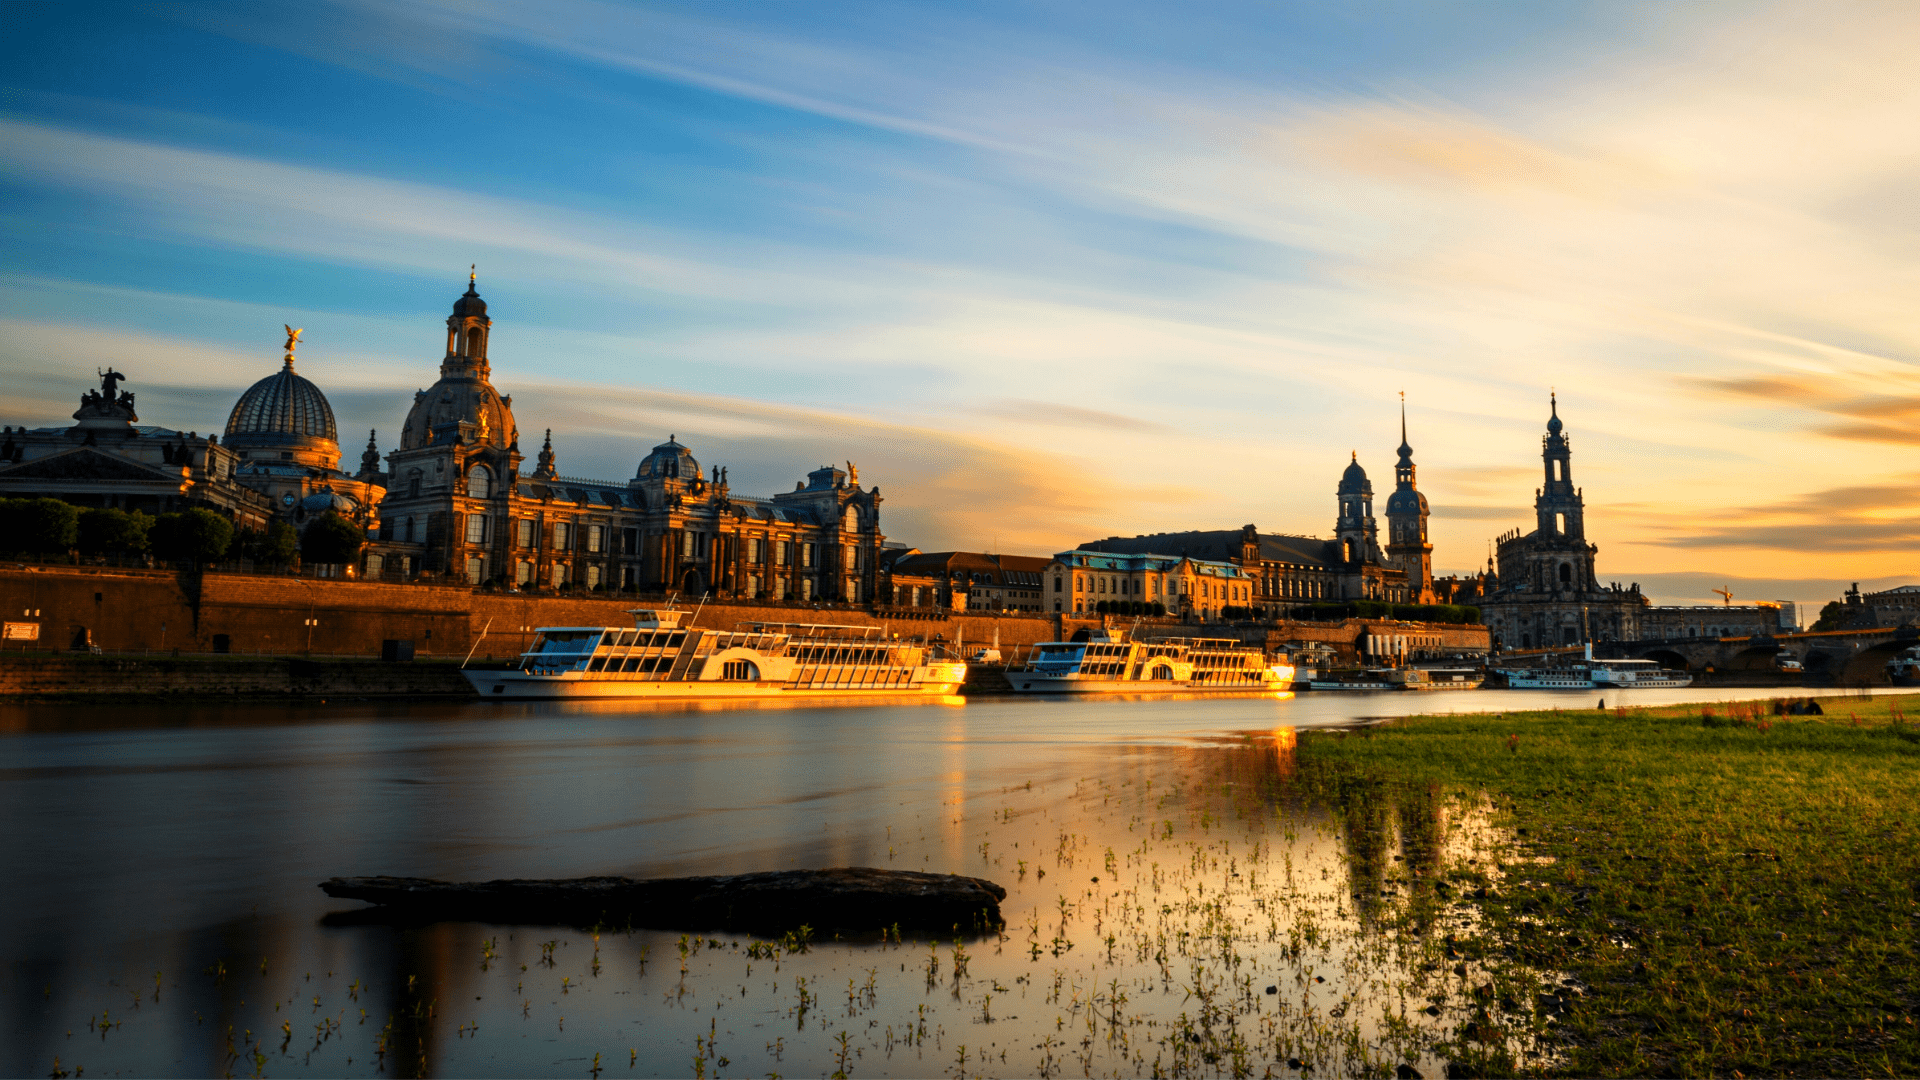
(1045, 272)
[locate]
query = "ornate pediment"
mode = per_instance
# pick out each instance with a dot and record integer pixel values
(85, 463)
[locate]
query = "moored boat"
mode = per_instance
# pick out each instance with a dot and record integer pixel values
(1107, 662)
(1590, 673)
(660, 658)
(1437, 678)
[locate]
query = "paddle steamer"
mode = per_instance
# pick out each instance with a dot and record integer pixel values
(1109, 663)
(660, 658)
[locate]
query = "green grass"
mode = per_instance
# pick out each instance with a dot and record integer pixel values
(1737, 893)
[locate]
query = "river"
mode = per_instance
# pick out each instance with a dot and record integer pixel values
(159, 864)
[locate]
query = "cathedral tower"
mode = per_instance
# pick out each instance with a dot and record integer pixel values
(1408, 549)
(1355, 534)
(1558, 505)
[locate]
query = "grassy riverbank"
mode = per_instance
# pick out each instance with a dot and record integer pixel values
(1733, 892)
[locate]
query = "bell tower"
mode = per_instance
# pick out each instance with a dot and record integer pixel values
(1558, 505)
(467, 330)
(1355, 533)
(1408, 548)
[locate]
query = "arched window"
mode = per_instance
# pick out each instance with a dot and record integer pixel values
(479, 482)
(473, 341)
(1566, 572)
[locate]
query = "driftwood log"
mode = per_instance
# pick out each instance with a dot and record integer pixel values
(857, 898)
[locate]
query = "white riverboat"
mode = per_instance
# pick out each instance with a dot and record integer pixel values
(1109, 663)
(1589, 674)
(660, 658)
(1353, 679)
(1399, 679)
(1438, 678)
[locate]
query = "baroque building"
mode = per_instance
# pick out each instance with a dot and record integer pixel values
(1547, 592)
(459, 505)
(1282, 570)
(1181, 584)
(108, 459)
(287, 446)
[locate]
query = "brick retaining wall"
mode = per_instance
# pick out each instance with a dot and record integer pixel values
(96, 676)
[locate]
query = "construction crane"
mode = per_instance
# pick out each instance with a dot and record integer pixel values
(1726, 597)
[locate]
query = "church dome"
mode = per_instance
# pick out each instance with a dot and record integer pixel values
(1354, 479)
(669, 460)
(282, 404)
(454, 400)
(286, 413)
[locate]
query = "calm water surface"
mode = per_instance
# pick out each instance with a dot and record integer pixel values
(159, 867)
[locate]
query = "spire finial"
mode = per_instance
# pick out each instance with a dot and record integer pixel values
(473, 273)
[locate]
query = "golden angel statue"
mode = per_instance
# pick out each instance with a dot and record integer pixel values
(293, 337)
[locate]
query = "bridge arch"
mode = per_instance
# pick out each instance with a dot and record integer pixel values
(1758, 656)
(1869, 665)
(1667, 658)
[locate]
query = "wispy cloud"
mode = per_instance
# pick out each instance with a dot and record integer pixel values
(1009, 241)
(1056, 415)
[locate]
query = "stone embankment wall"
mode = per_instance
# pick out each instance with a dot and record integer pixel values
(266, 615)
(110, 676)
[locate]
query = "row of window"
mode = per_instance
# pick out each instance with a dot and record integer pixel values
(597, 539)
(1206, 590)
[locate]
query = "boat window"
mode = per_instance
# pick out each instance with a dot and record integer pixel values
(574, 641)
(632, 664)
(599, 664)
(676, 639)
(626, 637)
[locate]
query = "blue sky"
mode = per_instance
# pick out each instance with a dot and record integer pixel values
(1046, 272)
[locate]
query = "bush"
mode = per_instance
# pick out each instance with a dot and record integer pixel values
(113, 532)
(40, 526)
(331, 538)
(195, 535)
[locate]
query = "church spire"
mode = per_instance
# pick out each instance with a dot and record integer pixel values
(370, 458)
(544, 468)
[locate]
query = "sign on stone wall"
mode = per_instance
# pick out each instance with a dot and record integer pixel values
(22, 631)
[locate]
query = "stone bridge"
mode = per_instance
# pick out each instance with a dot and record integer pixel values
(1842, 657)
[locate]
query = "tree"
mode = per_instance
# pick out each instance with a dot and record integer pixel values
(1832, 617)
(195, 535)
(279, 545)
(113, 532)
(41, 526)
(331, 538)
